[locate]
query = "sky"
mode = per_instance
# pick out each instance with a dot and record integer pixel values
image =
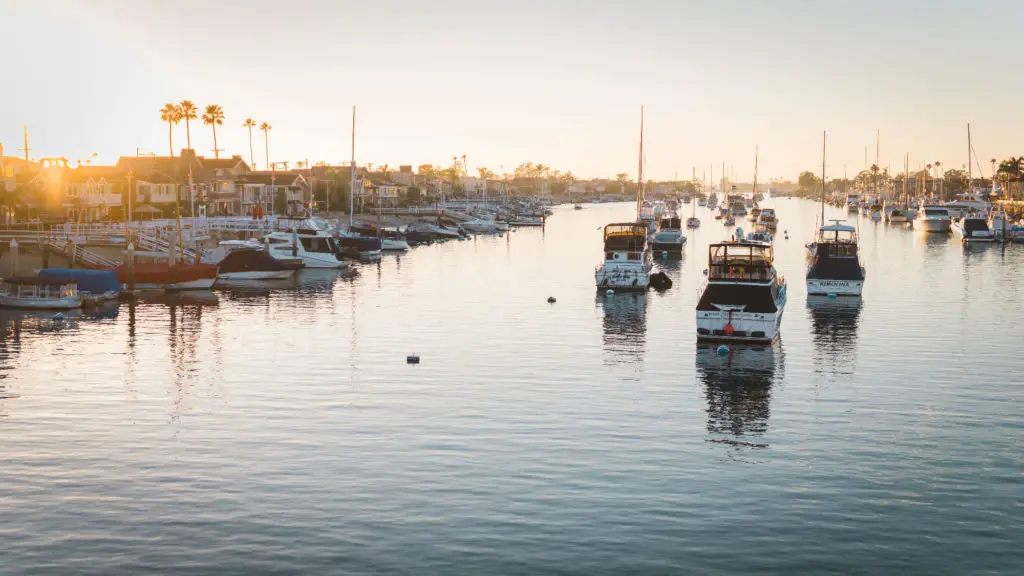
(558, 82)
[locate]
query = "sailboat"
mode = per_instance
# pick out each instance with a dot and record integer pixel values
(833, 267)
(627, 257)
(693, 222)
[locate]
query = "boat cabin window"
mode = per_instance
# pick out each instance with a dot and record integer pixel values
(316, 244)
(624, 237)
(634, 256)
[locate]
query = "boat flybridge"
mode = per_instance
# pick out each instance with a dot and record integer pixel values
(852, 203)
(833, 266)
(669, 236)
(744, 296)
(966, 203)
(627, 258)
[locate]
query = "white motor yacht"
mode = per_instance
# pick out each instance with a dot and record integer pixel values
(307, 241)
(627, 258)
(966, 203)
(934, 218)
(744, 297)
(669, 236)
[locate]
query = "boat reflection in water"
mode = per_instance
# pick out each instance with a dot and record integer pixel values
(624, 326)
(834, 331)
(738, 390)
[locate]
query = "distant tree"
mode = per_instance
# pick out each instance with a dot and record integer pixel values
(300, 164)
(250, 124)
(413, 195)
(427, 171)
(213, 117)
(809, 183)
(171, 113)
(266, 128)
(485, 173)
(955, 182)
(188, 112)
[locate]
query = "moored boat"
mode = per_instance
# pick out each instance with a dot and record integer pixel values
(164, 276)
(833, 266)
(627, 258)
(744, 297)
(669, 236)
(934, 218)
(255, 264)
(40, 293)
(974, 228)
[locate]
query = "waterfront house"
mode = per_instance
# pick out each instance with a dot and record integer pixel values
(273, 193)
(94, 193)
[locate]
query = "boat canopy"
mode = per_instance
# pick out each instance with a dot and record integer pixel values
(837, 234)
(629, 235)
(89, 281)
(740, 261)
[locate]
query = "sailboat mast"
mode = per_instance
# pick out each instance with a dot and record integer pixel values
(755, 174)
(352, 185)
(823, 133)
(969, 175)
(640, 168)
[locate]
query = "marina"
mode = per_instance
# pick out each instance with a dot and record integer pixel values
(820, 422)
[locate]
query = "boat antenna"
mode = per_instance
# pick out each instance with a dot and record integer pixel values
(755, 174)
(352, 186)
(969, 175)
(640, 168)
(823, 134)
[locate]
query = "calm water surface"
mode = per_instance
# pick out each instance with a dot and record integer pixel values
(281, 431)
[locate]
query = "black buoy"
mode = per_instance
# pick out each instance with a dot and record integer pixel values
(412, 359)
(551, 299)
(660, 281)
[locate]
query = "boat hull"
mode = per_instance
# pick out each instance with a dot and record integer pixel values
(198, 284)
(937, 225)
(822, 287)
(69, 303)
(747, 327)
(257, 275)
(622, 279)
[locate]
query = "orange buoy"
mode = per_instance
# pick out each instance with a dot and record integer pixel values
(729, 329)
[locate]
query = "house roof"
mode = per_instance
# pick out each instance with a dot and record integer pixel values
(275, 178)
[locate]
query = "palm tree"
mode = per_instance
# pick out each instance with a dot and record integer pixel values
(300, 164)
(188, 112)
(250, 123)
(171, 114)
(266, 142)
(938, 175)
(213, 117)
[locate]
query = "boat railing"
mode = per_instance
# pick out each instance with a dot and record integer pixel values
(738, 272)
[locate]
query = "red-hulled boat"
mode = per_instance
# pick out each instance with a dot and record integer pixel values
(163, 276)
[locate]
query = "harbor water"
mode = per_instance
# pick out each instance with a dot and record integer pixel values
(278, 428)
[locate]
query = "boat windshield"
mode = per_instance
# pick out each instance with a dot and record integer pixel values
(669, 223)
(929, 211)
(837, 235)
(739, 261)
(630, 237)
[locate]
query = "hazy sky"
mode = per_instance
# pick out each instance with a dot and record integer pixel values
(558, 82)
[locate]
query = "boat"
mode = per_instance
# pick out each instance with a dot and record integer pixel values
(253, 263)
(713, 200)
(754, 215)
(527, 221)
(833, 259)
(627, 258)
(737, 209)
(875, 209)
(966, 203)
(669, 236)
(366, 248)
(40, 292)
(93, 285)
(702, 202)
(768, 221)
(577, 207)
(485, 225)
(833, 266)
(852, 203)
(309, 242)
(974, 228)
(390, 240)
(169, 276)
(744, 297)
(897, 215)
(693, 222)
(934, 218)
